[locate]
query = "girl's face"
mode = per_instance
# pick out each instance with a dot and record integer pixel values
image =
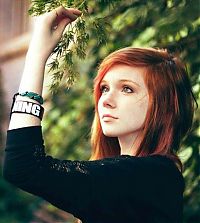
(123, 104)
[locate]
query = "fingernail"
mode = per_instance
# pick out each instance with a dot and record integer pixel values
(77, 13)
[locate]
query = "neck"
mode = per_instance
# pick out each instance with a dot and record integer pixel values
(129, 144)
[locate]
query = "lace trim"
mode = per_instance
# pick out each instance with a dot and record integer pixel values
(58, 165)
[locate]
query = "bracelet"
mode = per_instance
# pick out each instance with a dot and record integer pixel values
(32, 95)
(27, 107)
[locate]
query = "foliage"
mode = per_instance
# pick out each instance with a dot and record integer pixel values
(73, 42)
(138, 23)
(171, 24)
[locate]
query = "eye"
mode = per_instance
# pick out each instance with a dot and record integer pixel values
(104, 88)
(127, 89)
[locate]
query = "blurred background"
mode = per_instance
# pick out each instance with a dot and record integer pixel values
(171, 24)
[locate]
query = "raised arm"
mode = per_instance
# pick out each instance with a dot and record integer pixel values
(47, 32)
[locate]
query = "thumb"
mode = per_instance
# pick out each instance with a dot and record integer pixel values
(61, 27)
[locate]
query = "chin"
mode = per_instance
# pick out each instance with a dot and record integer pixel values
(109, 134)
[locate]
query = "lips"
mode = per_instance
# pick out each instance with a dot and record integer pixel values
(109, 116)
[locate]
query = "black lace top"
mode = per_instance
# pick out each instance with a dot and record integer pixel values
(123, 189)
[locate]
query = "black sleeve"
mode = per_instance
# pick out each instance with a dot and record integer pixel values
(91, 187)
(64, 183)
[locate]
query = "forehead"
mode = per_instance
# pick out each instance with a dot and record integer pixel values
(124, 72)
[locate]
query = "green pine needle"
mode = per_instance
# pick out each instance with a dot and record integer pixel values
(74, 41)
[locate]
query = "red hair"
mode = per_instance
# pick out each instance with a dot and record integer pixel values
(171, 103)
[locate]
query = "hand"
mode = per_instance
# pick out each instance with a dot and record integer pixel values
(48, 31)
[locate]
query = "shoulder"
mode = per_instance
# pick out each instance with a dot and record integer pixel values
(154, 168)
(153, 161)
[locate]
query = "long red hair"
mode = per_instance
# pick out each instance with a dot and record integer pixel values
(171, 103)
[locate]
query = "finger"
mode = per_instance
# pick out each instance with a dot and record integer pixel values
(60, 9)
(54, 17)
(75, 11)
(59, 21)
(61, 27)
(69, 12)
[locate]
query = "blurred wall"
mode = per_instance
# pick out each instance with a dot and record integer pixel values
(15, 27)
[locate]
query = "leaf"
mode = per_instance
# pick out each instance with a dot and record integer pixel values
(185, 154)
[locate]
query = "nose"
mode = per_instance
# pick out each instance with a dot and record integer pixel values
(109, 100)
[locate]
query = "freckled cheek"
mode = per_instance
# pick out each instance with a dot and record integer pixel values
(138, 109)
(99, 106)
(143, 106)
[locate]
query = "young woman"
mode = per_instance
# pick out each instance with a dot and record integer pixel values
(143, 108)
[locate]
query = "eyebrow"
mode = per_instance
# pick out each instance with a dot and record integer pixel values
(123, 80)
